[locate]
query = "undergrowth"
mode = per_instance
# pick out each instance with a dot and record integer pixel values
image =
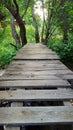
(6, 54)
(65, 51)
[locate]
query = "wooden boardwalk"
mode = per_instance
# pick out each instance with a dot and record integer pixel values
(36, 89)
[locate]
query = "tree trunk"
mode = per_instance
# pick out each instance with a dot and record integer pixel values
(65, 34)
(22, 30)
(64, 22)
(37, 39)
(14, 33)
(43, 23)
(20, 22)
(49, 30)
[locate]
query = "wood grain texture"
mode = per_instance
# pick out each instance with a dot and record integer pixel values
(28, 77)
(36, 95)
(37, 55)
(38, 72)
(36, 115)
(35, 66)
(34, 84)
(38, 62)
(38, 69)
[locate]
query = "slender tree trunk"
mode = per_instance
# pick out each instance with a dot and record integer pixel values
(27, 5)
(42, 38)
(65, 34)
(49, 21)
(64, 22)
(14, 33)
(37, 39)
(50, 26)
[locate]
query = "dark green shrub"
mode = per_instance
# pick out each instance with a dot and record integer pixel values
(65, 51)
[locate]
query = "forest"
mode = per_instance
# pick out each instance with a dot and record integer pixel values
(49, 22)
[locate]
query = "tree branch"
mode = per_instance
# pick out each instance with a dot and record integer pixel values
(17, 8)
(27, 5)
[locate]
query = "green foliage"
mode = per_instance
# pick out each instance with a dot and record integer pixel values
(28, 17)
(30, 33)
(6, 50)
(6, 54)
(5, 1)
(65, 51)
(55, 20)
(6, 35)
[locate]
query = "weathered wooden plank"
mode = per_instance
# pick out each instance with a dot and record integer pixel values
(36, 49)
(14, 104)
(68, 77)
(28, 54)
(34, 83)
(34, 46)
(36, 115)
(1, 72)
(23, 76)
(47, 74)
(12, 128)
(23, 68)
(36, 52)
(36, 66)
(39, 51)
(40, 62)
(36, 95)
(40, 70)
(35, 57)
(54, 74)
(60, 71)
(17, 104)
(53, 64)
(67, 103)
(38, 73)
